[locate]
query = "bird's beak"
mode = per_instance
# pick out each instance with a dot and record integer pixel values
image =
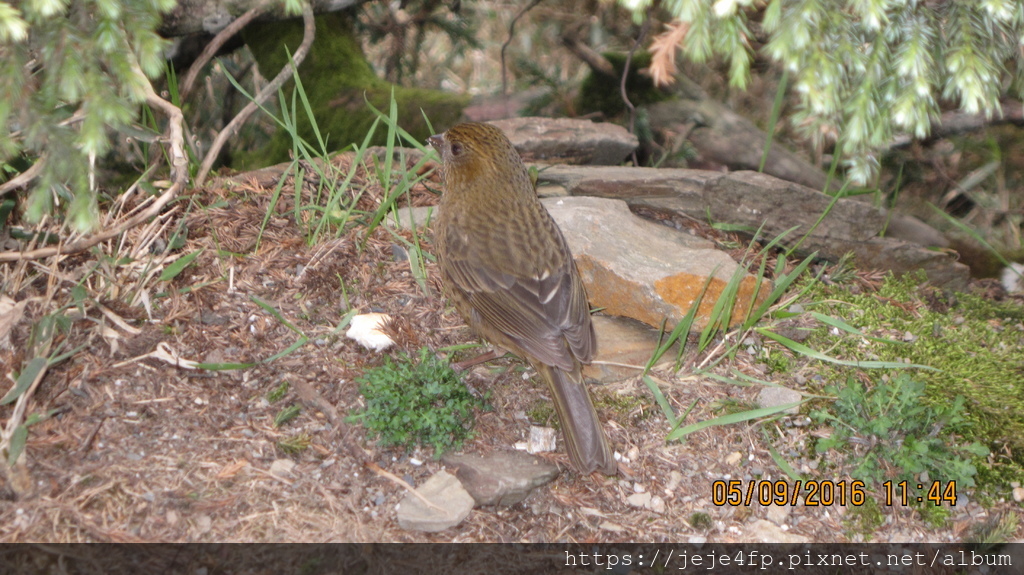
(436, 141)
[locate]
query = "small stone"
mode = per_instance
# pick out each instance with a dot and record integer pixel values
(542, 439)
(203, 524)
(1018, 494)
(398, 253)
(282, 467)
(771, 396)
(451, 504)
(674, 477)
(502, 477)
(639, 500)
(657, 504)
(762, 531)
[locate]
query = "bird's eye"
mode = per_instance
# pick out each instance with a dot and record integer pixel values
(456, 148)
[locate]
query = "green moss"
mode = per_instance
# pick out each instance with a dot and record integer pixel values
(543, 412)
(975, 345)
(935, 516)
(701, 521)
(599, 93)
(864, 519)
(621, 406)
(338, 82)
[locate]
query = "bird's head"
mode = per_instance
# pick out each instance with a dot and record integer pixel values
(472, 150)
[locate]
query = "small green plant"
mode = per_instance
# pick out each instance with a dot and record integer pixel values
(287, 414)
(294, 444)
(907, 436)
(543, 412)
(416, 400)
(278, 392)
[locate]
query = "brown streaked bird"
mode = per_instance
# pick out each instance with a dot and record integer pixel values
(508, 271)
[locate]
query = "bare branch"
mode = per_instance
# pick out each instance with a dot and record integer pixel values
(309, 32)
(590, 57)
(511, 33)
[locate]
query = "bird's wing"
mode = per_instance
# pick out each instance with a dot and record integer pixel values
(547, 316)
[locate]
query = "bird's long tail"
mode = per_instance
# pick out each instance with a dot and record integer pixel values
(588, 447)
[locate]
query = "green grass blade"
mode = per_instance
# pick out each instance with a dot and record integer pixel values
(721, 313)
(291, 348)
(731, 419)
(773, 120)
(270, 309)
(784, 465)
(815, 354)
(25, 379)
(224, 366)
(782, 284)
(17, 444)
(840, 324)
(971, 232)
(178, 266)
(659, 397)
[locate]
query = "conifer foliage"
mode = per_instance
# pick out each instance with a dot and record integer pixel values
(862, 70)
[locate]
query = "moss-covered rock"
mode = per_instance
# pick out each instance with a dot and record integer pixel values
(339, 81)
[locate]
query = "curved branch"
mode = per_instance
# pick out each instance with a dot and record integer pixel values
(23, 179)
(309, 32)
(511, 34)
(596, 62)
(211, 49)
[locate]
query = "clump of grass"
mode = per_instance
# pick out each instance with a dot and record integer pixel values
(278, 392)
(416, 400)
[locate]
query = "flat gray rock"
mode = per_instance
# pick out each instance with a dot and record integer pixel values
(760, 201)
(501, 478)
(568, 141)
(452, 504)
(771, 396)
